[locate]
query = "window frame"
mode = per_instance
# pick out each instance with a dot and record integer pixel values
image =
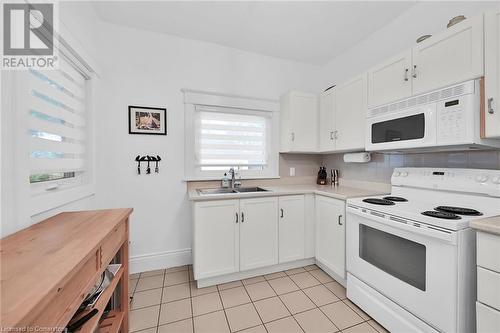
(192, 170)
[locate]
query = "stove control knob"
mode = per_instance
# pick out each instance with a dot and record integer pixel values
(396, 174)
(496, 180)
(481, 178)
(404, 173)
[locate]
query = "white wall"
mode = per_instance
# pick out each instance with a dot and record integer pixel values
(426, 17)
(145, 68)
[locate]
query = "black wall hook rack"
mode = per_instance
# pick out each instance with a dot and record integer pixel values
(148, 159)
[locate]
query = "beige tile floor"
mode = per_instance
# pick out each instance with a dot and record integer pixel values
(299, 300)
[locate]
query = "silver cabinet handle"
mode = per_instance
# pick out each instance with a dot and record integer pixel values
(236, 217)
(242, 217)
(293, 136)
(281, 209)
(490, 106)
(414, 72)
(335, 135)
(331, 135)
(406, 74)
(340, 217)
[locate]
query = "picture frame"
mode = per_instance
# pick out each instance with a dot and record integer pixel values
(147, 120)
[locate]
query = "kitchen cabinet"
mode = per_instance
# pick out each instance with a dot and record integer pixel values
(350, 113)
(330, 234)
(342, 116)
(390, 81)
(492, 74)
(258, 232)
(291, 228)
(326, 139)
(298, 122)
(216, 243)
(452, 56)
(449, 57)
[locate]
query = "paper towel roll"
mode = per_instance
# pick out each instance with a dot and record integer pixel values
(357, 157)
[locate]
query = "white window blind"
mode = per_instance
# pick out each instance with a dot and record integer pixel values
(56, 102)
(227, 137)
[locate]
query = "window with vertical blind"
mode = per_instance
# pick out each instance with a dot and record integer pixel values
(55, 103)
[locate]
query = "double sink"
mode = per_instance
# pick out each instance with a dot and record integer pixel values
(222, 190)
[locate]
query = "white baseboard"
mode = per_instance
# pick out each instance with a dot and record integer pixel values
(160, 260)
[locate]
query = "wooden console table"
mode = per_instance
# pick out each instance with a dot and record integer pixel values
(49, 268)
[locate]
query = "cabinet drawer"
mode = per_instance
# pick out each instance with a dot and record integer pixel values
(69, 295)
(112, 243)
(488, 287)
(488, 248)
(488, 319)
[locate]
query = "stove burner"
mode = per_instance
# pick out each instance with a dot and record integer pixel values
(459, 210)
(376, 201)
(396, 199)
(441, 215)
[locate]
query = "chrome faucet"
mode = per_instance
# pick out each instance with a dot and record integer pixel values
(234, 183)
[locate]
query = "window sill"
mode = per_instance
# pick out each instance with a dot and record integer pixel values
(200, 179)
(49, 201)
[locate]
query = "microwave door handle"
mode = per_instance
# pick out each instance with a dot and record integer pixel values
(406, 74)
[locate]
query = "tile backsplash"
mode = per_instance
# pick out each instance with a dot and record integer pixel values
(381, 166)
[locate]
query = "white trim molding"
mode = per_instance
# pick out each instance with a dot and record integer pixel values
(160, 260)
(226, 100)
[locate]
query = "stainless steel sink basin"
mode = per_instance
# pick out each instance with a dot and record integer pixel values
(250, 189)
(207, 191)
(221, 190)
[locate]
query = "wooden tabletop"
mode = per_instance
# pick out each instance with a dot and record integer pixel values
(35, 260)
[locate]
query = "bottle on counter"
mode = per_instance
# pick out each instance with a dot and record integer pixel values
(225, 182)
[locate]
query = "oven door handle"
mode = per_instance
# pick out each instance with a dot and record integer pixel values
(375, 218)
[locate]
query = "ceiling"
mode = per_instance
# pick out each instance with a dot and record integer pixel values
(312, 32)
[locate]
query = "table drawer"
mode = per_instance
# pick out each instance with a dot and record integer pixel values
(488, 248)
(112, 243)
(69, 294)
(488, 287)
(488, 319)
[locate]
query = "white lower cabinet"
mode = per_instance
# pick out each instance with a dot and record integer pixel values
(330, 234)
(216, 248)
(291, 228)
(258, 232)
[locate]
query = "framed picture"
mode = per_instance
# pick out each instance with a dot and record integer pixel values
(146, 120)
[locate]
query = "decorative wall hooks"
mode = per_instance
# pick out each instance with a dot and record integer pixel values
(148, 159)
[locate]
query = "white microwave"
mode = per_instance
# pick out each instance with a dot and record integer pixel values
(446, 119)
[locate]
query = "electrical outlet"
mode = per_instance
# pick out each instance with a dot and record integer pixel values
(292, 172)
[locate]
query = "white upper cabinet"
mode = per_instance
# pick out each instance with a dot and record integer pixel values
(350, 113)
(452, 56)
(216, 238)
(492, 74)
(390, 80)
(299, 122)
(327, 121)
(291, 228)
(258, 232)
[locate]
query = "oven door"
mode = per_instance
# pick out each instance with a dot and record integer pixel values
(413, 268)
(412, 128)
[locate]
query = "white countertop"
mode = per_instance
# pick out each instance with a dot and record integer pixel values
(488, 224)
(338, 192)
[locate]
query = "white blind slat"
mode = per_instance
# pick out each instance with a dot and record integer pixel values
(42, 165)
(40, 106)
(54, 96)
(36, 124)
(231, 139)
(38, 144)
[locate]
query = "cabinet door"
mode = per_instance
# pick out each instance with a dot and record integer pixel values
(326, 121)
(451, 57)
(492, 74)
(216, 238)
(330, 234)
(258, 232)
(304, 122)
(350, 113)
(390, 81)
(291, 228)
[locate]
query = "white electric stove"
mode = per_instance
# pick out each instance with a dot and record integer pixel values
(411, 254)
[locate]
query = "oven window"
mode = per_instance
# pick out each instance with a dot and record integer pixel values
(400, 129)
(397, 256)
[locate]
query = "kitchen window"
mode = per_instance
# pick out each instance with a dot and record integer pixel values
(220, 137)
